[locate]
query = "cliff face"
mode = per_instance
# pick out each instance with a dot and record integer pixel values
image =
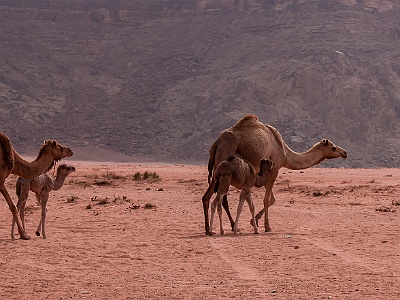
(163, 78)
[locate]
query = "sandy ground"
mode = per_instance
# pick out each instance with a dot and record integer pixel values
(336, 235)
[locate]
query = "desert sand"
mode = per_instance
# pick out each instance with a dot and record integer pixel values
(335, 235)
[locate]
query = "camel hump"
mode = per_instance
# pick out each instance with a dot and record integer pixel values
(7, 150)
(247, 120)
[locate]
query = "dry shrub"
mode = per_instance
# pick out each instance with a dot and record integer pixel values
(149, 206)
(150, 176)
(113, 175)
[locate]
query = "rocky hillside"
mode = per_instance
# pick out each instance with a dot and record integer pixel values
(162, 78)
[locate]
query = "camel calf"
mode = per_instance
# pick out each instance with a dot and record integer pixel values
(41, 186)
(241, 174)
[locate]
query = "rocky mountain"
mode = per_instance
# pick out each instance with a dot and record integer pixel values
(162, 78)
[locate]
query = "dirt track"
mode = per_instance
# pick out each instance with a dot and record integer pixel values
(331, 239)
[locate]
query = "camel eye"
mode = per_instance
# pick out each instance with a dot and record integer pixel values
(333, 148)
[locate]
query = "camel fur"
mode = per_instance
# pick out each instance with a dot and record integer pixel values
(41, 186)
(241, 174)
(12, 163)
(253, 140)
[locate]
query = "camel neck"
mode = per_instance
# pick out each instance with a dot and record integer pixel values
(58, 182)
(303, 160)
(33, 169)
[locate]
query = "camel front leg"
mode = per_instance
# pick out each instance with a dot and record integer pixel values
(252, 211)
(268, 197)
(243, 195)
(261, 212)
(14, 211)
(266, 206)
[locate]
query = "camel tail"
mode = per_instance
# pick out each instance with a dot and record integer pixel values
(18, 187)
(216, 184)
(6, 149)
(211, 161)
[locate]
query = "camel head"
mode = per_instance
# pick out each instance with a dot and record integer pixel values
(55, 150)
(65, 169)
(266, 165)
(330, 150)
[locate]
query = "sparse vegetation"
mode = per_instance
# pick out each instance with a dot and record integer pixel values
(150, 206)
(385, 209)
(72, 199)
(102, 183)
(119, 198)
(395, 202)
(80, 182)
(106, 200)
(100, 201)
(113, 175)
(103, 201)
(150, 176)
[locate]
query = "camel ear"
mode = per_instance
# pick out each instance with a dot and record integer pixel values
(325, 142)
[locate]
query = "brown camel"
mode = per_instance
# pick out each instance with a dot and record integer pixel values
(253, 140)
(241, 174)
(41, 186)
(12, 163)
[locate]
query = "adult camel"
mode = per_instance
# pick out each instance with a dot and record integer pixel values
(12, 163)
(253, 141)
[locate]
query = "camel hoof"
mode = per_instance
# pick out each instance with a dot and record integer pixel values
(210, 233)
(24, 237)
(252, 223)
(237, 231)
(37, 233)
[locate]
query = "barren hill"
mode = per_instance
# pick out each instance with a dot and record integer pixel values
(163, 78)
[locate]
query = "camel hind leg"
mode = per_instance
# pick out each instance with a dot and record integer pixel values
(14, 211)
(213, 207)
(21, 208)
(216, 204)
(206, 204)
(225, 205)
